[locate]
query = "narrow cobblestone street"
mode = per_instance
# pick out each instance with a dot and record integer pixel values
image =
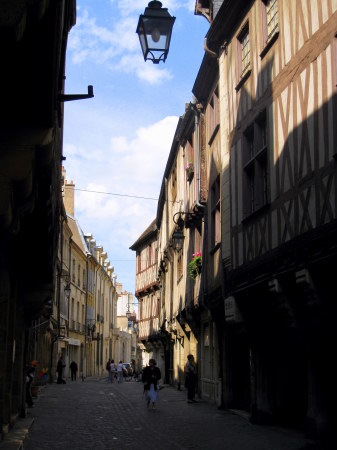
(97, 415)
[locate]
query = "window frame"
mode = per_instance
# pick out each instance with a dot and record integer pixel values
(139, 263)
(243, 73)
(255, 166)
(213, 114)
(216, 213)
(189, 156)
(268, 39)
(174, 182)
(150, 254)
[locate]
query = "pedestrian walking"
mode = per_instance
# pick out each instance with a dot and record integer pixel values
(59, 370)
(112, 370)
(120, 372)
(29, 371)
(150, 378)
(190, 371)
(73, 370)
(107, 367)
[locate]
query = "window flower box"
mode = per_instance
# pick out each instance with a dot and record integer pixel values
(194, 266)
(189, 171)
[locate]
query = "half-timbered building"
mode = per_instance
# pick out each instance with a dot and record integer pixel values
(206, 90)
(277, 94)
(147, 293)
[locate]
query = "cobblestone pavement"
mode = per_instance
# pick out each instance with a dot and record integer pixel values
(97, 415)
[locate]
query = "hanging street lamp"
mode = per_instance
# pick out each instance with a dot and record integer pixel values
(154, 30)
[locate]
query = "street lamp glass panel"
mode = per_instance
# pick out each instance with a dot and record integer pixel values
(67, 291)
(178, 239)
(154, 30)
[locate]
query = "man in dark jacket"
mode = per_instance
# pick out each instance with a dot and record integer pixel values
(59, 370)
(73, 370)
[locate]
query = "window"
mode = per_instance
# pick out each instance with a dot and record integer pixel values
(272, 17)
(243, 53)
(73, 271)
(72, 309)
(174, 182)
(79, 275)
(189, 148)
(335, 61)
(215, 213)
(255, 165)
(83, 279)
(214, 113)
(141, 310)
(189, 157)
(150, 256)
(139, 267)
(270, 31)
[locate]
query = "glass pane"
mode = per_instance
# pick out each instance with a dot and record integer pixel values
(272, 20)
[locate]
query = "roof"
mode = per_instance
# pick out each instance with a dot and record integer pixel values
(78, 236)
(224, 24)
(208, 72)
(150, 231)
(183, 124)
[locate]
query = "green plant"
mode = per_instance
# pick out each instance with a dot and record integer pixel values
(194, 266)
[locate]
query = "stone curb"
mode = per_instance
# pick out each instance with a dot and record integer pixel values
(16, 436)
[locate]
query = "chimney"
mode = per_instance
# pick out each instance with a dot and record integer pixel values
(69, 197)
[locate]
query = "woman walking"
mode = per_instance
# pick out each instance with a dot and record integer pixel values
(150, 378)
(190, 371)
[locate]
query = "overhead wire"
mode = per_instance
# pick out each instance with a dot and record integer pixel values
(120, 195)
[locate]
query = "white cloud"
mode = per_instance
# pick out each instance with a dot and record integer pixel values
(84, 153)
(118, 48)
(91, 41)
(132, 167)
(150, 73)
(131, 6)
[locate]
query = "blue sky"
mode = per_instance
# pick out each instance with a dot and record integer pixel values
(118, 142)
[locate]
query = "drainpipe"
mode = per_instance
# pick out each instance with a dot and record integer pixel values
(208, 51)
(197, 152)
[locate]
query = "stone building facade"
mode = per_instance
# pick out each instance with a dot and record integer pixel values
(33, 36)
